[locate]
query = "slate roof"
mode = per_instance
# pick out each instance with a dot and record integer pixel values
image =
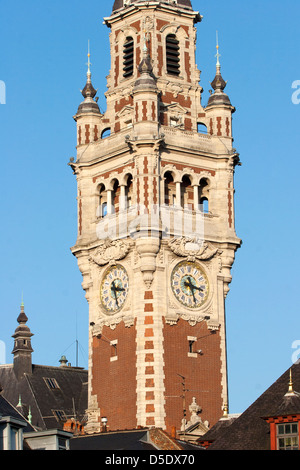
(7, 410)
(250, 431)
(127, 440)
(144, 439)
(70, 395)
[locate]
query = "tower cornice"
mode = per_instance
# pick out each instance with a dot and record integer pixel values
(126, 13)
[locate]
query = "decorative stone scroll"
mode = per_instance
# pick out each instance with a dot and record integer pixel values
(192, 249)
(110, 251)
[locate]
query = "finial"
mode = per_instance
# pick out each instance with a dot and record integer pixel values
(89, 61)
(225, 411)
(29, 416)
(22, 302)
(218, 54)
(19, 405)
(291, 390)
(145, 48)
(89, 91)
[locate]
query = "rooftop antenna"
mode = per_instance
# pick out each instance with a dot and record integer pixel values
(76, 342)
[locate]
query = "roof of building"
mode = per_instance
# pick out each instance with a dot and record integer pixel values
(143, 439)
(250, 431)
(7, 410)
(51, 393)
(120, 3)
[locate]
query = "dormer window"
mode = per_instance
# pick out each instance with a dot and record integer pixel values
(173, 55)
(128, 57)
(287, 436)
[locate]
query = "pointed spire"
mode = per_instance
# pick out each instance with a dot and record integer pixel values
(145, 66)
(29, 418)
(291, 387)
(89, 90)
(19, 405)
(89, 105)
(218, 97)
(218, 84)
(218, 54)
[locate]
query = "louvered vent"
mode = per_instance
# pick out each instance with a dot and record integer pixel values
(128, 57)
(173, 60)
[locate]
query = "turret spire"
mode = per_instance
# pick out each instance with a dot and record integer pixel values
(218, 97)
(90, 103)
(218, 54)
(22, 346)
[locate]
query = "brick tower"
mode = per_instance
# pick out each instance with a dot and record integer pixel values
(156, 228)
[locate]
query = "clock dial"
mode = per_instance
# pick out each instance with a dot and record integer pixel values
(114, 288)
(190, 284)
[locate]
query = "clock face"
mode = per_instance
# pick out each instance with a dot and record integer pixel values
(114, 288)
(190, 284)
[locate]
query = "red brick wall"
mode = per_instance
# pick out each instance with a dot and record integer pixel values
(114, 383)
(203, 374)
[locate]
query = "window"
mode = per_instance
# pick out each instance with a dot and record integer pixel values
(62, 444)
(105, 133)
(59, 415)
(114, 350)
(192, 341)
(191, 346)
(14, 439)
(51, 383)
(173, 55)
(104, 209)
(187, 193)
(128, 57)
(204, 195)
(202, 129)
(287, 436)
(170, 189)
(204, 205)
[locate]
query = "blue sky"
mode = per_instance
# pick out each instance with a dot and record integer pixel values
(43, 64)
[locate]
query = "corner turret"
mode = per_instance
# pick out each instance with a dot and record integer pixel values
(22, 347)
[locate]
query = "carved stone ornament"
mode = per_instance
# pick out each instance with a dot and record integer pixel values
(110, 251)
(192, 249)
(112, 323)
(93, 413)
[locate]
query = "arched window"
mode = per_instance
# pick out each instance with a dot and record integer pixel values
(105, 133)
(116, 197)
(202, 129)
(128, 57)
(129, 192)
(204, 195)
(170, 189)
(102, 202)
(173, 55)
(204, 205)
(187, 192)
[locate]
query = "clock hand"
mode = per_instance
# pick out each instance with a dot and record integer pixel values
(114, 289)
(192, 287)
(120, 289)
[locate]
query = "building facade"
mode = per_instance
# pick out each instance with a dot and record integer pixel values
(156, 228)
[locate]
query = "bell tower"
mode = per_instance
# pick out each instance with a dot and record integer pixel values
(156, 229)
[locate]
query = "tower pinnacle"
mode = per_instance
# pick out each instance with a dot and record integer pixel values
(218, 97)
(22, 347)
(89, 104)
